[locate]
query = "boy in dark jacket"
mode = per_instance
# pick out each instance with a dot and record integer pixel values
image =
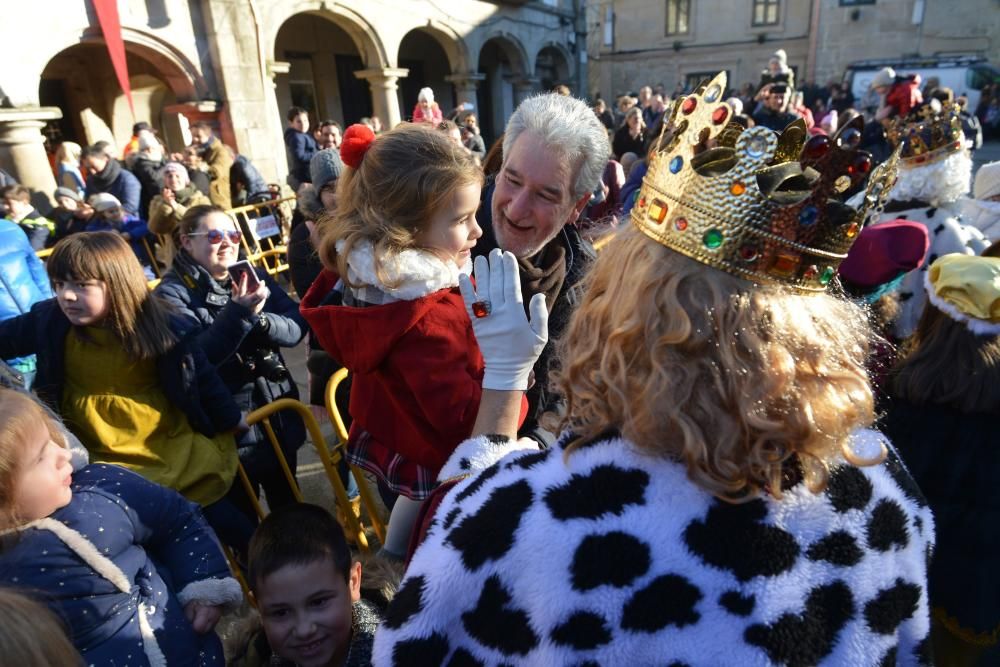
(300, 146)
(17, 200)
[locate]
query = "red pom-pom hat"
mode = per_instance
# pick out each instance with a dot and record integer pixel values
(355, 144)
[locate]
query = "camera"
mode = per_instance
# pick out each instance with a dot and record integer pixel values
(266, 364)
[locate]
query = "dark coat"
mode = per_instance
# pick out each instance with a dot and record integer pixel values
(121, 183)
(150, 175)
(300, 147)
(186, 377)
(118, 532)
(774, 120)
(227, 331)
(245, 182)
(955, 460)
(23, 281)
(624, 143)
(579, 253)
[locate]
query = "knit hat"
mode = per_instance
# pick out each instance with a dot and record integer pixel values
(324, 167)
(780, 56)
(425, 94)
(179, 169)
(104, 201)
(966, 288)
(68, 192)
(147, 140)
(883, 252)
(987, 182)
(884, 77)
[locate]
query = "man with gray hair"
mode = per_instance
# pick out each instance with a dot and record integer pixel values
(554, 153)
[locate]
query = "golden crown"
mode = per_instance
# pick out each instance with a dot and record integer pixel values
(927, 135)
(763, 206)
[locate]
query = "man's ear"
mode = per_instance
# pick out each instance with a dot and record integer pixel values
(354, 581)
(578, 207)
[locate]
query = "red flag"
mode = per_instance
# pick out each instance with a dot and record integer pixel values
(111, 26)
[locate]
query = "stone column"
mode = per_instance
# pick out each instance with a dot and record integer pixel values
(385, 100)
(466, 84)
(22, 153)
(523, 88)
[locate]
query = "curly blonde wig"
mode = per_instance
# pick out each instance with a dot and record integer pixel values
(730, 378)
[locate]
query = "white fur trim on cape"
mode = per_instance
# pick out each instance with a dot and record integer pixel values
(416, 273)
(478, 453)
(982, 214)
(217, 592)
(938, 183)
(973, 324)
(105, 567)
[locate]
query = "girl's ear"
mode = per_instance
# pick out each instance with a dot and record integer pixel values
(354, 581)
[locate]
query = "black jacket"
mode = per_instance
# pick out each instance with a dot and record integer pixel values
(150, 175)
(579, 254)
(186, 377)
(228, 333)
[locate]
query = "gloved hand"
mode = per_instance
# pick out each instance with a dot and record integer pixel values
(509, 343)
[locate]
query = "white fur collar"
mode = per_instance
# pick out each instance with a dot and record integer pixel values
(416, 272)
(937, 183)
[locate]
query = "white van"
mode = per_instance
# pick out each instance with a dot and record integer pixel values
(965, 75)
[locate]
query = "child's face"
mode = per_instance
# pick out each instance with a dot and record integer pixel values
(453, 229)
(84, 302)
(301, 122)
(306, 610)
(116, 214)
(46, 473)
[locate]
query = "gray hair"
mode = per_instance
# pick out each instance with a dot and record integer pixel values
(568, 127)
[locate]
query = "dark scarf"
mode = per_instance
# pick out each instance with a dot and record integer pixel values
(103, 179)
(545, 273)
(194, 276)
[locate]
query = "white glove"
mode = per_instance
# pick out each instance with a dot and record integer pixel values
(509, 343)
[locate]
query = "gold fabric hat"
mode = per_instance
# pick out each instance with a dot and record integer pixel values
(927, 135)
(760, 205)
(967, 289)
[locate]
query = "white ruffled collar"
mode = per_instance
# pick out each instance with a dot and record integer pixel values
(415, 272)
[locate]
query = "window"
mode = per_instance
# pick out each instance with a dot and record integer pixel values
(851, 3)
(765, 12)
(678, 15)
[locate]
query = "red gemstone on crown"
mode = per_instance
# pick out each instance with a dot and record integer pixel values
(681, 224)
(688, 105)
(719, 115)
(862, 164)
(816, 147)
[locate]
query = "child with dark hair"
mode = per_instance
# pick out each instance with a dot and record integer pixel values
(300, 146)
(308, 591)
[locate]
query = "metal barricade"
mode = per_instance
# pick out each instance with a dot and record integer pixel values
(367, 499)
(263, 226)
(329, 459)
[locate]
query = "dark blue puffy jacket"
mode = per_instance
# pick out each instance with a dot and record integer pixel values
(23, 281)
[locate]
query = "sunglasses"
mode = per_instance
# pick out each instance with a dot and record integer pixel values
(215, 235)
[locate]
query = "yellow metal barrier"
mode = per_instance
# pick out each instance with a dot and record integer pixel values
(44, 253)
(329, 459)
(367, 499)
(266, 253)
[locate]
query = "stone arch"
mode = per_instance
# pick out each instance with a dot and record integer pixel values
(512, 48)
(430, 55)
(364, 35)
(553, 65)
(450, 41)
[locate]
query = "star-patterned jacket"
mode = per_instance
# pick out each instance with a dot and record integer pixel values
(103, 562)
(611, 556)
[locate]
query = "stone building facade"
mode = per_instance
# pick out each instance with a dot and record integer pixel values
(671, 42)
(240, 63)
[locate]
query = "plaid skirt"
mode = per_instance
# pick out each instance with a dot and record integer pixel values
(401, 475)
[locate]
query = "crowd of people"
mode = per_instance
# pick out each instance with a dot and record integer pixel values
(706, 380)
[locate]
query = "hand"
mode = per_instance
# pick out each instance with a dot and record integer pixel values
(202, 617)
(169, 196)
(251, 300)
(509, 343)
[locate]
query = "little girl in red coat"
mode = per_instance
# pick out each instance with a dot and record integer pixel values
(388, 307)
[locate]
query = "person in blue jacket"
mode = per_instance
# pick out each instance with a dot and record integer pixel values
(105, 174)
(23, 283)
(130, 566)
(300, 147)
(242, 329)
(111, 216)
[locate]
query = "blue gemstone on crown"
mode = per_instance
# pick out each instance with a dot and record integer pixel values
(808, 215)
(676, 164)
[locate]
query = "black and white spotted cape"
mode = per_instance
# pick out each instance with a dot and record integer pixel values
(613, 557)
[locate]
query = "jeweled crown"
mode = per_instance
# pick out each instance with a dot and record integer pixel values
(760, 205)
(928, 134)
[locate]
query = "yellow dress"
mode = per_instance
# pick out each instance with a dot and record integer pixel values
(118, 410)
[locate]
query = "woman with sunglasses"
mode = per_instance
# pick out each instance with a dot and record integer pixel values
(241, 327)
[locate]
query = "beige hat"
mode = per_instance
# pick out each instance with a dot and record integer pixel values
(987, 182)
(884, 77)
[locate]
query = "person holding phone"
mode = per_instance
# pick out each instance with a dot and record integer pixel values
(244, 318)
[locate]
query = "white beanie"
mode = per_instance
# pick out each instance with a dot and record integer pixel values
(884, 77)
(102, 201)
(987, 182)
(425, 94)
(780, 56)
